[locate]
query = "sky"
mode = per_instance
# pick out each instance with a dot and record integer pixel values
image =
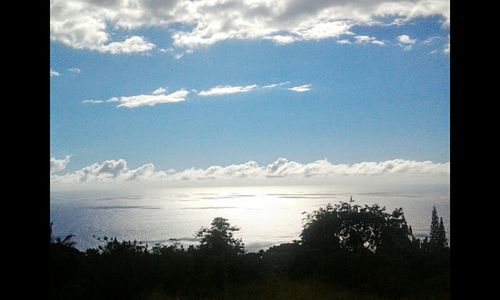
(197, 90)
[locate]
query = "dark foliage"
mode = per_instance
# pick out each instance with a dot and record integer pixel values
(364, 249)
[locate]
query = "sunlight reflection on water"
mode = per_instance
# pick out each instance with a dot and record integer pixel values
(267, 215)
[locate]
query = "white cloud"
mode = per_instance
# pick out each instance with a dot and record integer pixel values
(378, 43)
(150, 100)
(301, 88)
(365, 39)
(135, 44)
(88, 24)
(430, 40)
(90, 101)
(83, 25)
(270, 86)
(344, 42)
(57, 165)
(282, 39)
(113, 99)
(157, 97)
(159, 91)
(117, 170)
(405, 39)
(406, 42)
(75, 70)
(227, 90)
(446, 49)
(54, 73)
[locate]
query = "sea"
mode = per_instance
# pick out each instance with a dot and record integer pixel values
(265, 215)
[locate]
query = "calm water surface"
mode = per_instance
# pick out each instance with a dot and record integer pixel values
(267, 215)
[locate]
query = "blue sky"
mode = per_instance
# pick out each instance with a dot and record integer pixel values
(375, 92)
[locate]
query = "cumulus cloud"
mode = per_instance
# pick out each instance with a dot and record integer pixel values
(135, 44)
(159, 91)
(84, 25)
(57, 165)
(88, 24)
(54, 73)
(117, 170)
(405, 39)
(365, 39)
(75, 70)
(406, 42)
(301, 88)
(227, 90)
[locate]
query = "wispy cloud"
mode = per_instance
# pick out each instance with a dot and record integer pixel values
(301, 88)
(54, 73)
(89, 24)
(446, 49)
(431, 40)
(344, 42)
(90, 101)
(113, 99)
(117, 170)
(274, 85)
(75, 70)
(151, 100)
(221, 90)
(158, 96)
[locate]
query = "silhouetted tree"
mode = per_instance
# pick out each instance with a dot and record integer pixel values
(442, 235)
(434, 225)
(437, 234)
(218, 239)
(355, 229)
(364, 248)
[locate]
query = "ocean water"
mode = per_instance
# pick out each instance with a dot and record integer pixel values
(266, 215)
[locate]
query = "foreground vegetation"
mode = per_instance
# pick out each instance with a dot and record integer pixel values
(345, 251)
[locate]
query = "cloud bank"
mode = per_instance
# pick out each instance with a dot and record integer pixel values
(89, 24)
(57, 165)
(118, 171)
